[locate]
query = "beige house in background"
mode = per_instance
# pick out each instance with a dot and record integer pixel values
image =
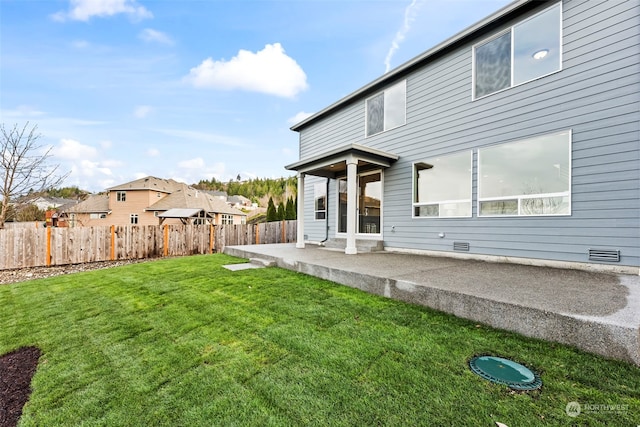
(152, 201)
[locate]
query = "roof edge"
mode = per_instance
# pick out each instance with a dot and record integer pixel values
(423, 57)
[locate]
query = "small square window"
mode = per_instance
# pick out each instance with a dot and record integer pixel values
(121, 196)
(133, 218)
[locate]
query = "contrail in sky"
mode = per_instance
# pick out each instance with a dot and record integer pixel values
(409, 16)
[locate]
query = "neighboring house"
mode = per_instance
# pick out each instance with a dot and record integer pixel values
(517, 138)
(143, 202)
(45, 203)
(239, 202)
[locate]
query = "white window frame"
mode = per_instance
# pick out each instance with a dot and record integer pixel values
(121, 196)
(384, 126)
(519, 198)
(134, 219)
(363, 236)
(414, 188)
(510, 30)
(319, 195)
(226, 219)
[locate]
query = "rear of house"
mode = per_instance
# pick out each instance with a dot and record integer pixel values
(517, 138)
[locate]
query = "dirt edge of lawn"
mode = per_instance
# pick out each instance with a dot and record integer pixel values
(16, 370)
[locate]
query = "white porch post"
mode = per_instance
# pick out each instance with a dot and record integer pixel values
(352, 188)
(300, 213)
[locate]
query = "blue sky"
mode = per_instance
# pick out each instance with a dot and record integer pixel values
(122, 89)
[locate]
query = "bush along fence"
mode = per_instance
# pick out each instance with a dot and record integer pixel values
(36, 247)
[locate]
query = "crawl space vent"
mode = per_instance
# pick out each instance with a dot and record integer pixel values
(461, 246)
(604, 255)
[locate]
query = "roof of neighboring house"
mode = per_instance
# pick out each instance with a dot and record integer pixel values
(237, 199)
(95, 203)
(190, 198)
(149, 183)
(182, 213)
(487, 24)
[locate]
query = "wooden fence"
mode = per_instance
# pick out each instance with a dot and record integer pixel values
(33, 247)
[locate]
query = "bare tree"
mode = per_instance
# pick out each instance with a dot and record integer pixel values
(24, 165)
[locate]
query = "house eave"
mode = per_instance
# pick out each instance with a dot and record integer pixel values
(502, 15)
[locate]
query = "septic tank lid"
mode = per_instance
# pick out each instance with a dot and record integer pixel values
(504, 371)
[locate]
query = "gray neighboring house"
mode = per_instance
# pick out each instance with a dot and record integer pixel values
(516, 139)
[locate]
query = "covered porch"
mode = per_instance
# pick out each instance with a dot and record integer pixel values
(349, 163)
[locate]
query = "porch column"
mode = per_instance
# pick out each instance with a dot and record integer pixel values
(352, 188)
(300, 213)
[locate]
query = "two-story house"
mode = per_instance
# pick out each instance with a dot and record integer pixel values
(150, 201)
(515, 139)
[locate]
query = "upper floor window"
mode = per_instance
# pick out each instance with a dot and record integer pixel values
(526, 51)
(442, 186)
(121, 196)
(387, 109)
(133, 218)
(530, 177)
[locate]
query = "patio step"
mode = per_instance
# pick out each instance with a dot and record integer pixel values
(362, 245)
(262, 262)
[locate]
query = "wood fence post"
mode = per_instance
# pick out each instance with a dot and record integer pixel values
(166, 239)
(112, 251)
(212, 238)
(48, 251)
(283, 240)
(257, 234)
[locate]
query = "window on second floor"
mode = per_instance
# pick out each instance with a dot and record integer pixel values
(526, 51)
(121, 196)
(387, 109)
(133, 219)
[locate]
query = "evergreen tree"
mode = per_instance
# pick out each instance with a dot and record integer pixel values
(272, 214)
(290, 212)
(281, 212)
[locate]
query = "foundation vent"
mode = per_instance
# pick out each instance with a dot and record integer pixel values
(461, 246)
(604, 255)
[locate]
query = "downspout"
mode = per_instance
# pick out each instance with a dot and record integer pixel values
(326, 216)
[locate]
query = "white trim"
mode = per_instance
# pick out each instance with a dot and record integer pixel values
(360, 236)
(414, 190)
(510, 29)
(520, 197)
(384, 122)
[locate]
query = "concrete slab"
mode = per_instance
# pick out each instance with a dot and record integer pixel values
(597, 312)
(244, 266)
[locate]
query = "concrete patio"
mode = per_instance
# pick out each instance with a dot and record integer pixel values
(596, 312)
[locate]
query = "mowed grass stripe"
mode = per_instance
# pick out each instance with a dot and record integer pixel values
(184, 341)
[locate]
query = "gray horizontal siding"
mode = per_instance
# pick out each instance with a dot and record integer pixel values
(596, 95)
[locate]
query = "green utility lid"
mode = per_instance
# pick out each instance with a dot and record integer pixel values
(505, 371)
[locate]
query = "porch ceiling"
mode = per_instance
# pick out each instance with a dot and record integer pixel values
(334, 162)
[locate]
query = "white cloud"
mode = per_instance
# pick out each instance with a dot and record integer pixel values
(153, 36)
(209, 138)
(84, 10)
(70, 149)
(80, 44)
(197, 163)
(268, 71)
(153, 152)
(409, 16)
(298, 118)
(106, 144)
(142, 111)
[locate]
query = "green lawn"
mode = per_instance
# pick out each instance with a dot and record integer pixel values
(184, 342)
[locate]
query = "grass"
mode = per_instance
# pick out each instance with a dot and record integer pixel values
(184, 342)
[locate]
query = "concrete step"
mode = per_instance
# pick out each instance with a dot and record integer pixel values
(362, 245)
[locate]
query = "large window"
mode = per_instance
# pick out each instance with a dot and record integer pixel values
(526, 51)
(387, 109)
(530, 177)
(442, 186)
(227, 219)
(320, 200)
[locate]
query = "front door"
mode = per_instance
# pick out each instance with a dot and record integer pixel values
(369, 206)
